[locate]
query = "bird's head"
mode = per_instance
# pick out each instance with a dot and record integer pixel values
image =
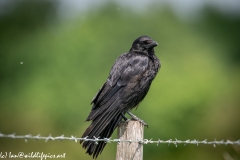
(144, 44)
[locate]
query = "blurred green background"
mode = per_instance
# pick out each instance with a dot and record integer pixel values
(52, 63)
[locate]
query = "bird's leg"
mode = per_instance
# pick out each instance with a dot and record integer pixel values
(124, 117)
(137, 119)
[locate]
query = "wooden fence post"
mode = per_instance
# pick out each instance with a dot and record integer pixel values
(131, 130)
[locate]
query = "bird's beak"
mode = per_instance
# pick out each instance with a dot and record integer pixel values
(152, 45)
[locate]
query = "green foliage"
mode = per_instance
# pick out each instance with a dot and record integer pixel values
(50, 74)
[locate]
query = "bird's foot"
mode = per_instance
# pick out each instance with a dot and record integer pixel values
(137, 119)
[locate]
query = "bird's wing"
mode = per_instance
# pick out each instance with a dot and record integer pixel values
(128, 68)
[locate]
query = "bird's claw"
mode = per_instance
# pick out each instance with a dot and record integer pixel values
(137, 119)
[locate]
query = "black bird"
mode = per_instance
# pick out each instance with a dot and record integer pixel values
(128, 83)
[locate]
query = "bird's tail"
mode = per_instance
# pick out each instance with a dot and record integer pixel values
(101, 127)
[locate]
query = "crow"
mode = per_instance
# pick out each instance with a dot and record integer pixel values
(127, 85)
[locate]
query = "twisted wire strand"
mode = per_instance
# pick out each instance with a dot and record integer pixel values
(109, 140)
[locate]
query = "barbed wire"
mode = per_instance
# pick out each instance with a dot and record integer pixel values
(109, 140)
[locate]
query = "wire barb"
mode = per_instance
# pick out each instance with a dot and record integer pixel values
(176, 142)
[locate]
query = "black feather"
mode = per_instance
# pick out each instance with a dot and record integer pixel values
(128, 83)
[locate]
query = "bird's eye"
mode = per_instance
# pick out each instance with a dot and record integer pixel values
(148, 41)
